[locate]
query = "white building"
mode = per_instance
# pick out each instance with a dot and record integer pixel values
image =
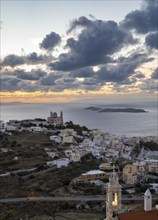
(96, 153)
(4, 150)
(51, 154)
(87, 143)
(152, 166)
(35, 129)
(133, 173)
(154, 186)
(68, 140)
(114, 143)
(97, 139)
(112, 153)
(74, 156)
(55, 138)
(63, 162)
(10, 127)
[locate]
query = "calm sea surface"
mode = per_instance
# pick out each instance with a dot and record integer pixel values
(130, 124)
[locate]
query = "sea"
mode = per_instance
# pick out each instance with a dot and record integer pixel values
(128, 124)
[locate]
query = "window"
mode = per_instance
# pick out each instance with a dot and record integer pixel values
(115, 199)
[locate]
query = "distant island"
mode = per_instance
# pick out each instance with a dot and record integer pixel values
(129, 110)
(93, 108)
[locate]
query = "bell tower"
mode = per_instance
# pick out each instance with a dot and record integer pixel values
(113, 197)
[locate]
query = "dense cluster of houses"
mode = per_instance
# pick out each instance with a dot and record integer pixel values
(105, 147)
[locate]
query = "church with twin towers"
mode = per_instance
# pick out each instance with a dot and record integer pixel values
(55, 119)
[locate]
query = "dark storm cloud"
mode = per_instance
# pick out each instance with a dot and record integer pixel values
(81, 22)
(152, 40)
(143, 20)
(50, 79)
(83, 73)
(137, 55)
(122, 71)
(117, 73)
(34, 75)
(9, 84)
(12, 60)
(150, 85)
(32, 58)
(65, 83)
(155, 74)
(50, 41)
(95, 44)
(27, 81)
(89, 81)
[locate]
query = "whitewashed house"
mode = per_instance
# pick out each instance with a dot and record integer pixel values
(35, 129)
(96, 153)
(4, 150)
(154, 186)
(97, 139)
(87, 143)
(68, 140)
(152, 166)
(74, 156)
(12, 127)
(66, 131)
(112, 153)
(50, 163)
(63, 162)
(55, 138)
(51, 154)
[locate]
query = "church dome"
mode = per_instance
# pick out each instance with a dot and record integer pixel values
(54, 114)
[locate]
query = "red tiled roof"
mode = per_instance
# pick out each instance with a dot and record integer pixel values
(139, 215)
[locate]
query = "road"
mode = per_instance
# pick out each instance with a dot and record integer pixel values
(72, 198)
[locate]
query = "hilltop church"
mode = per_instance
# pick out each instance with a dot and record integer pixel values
(54, 119)
(113, 203)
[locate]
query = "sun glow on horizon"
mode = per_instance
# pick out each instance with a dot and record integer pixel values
(64, 96)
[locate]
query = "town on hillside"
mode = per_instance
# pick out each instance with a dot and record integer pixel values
(50, 157)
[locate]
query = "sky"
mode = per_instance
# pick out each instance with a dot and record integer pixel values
(63, 51)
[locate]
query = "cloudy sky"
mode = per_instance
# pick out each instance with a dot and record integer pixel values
(62, 51)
